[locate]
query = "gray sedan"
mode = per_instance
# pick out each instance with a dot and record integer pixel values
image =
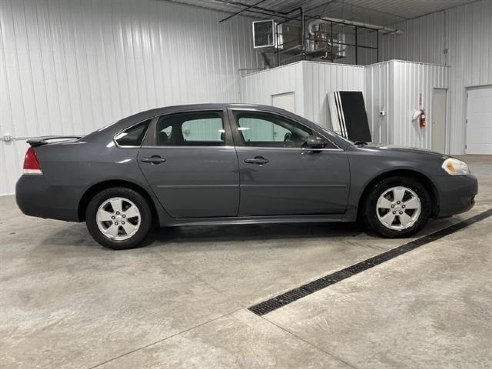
(234, 164)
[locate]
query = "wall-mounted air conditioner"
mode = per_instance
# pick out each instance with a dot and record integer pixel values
(263, 34)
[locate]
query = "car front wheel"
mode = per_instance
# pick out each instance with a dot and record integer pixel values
(397, 207)
(119, 218)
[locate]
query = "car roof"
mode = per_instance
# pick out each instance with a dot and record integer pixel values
(205, 106)
(144, 115)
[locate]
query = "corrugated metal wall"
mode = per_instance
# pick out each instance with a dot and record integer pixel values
(258, 87)
(322, 78)
(377, 96)
(71, 66)
(309, 81)
(466, 33)
(410, 81)
(423, 40)
(393, 86)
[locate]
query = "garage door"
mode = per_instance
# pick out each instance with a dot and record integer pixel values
(479, 121)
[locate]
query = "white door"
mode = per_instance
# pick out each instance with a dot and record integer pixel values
(479, 120)
(285, 101)
(438, 120)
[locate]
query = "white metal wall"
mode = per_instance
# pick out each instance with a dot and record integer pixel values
(320, 79)
(310, 82)
(378, 91)
(458, 37)
(71, 66)
(423, 40)
(410, 81)
(258, 87)
(393, 86)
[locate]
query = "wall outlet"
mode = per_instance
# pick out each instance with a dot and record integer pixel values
(7, 137)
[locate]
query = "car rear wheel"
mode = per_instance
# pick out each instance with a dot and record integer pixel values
(397, 207)
(119, 218)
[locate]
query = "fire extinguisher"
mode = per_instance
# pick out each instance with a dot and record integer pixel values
(422, 119)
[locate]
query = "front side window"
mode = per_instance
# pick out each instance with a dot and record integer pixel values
(191, 129)
(133, 136)
(269, 130)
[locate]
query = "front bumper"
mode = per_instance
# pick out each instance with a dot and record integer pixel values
(456, 193)
(36, 197)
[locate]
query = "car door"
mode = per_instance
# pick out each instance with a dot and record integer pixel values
(190, 162)
(278, 175)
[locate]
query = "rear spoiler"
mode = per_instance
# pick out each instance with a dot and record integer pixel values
(39, 141)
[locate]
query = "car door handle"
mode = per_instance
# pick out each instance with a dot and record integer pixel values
(258, 160)
(155, 159)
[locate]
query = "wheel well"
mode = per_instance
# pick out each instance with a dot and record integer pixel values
(424, 180)
(92, 191)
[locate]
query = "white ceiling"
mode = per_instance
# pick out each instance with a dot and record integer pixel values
(383, 12)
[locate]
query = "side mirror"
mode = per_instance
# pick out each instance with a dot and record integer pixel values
(314, 142)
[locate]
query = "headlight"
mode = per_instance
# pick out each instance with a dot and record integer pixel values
(455, 167)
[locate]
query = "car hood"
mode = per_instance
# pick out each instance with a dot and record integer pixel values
(401, 149)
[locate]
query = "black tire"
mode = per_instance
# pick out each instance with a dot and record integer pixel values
(135, 199)
(370, 211)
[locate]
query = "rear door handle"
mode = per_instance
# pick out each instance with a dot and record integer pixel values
(258, 160)
(155, 159)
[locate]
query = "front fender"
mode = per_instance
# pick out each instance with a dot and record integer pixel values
(367, 170)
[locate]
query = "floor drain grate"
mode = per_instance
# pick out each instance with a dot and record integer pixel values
(288, 297)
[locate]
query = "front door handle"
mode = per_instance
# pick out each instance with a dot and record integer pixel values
(258, 160)
(154, 159)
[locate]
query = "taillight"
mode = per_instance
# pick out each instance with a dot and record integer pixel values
(31, 163)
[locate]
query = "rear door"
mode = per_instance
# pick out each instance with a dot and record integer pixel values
(279, 176)
(191, 164)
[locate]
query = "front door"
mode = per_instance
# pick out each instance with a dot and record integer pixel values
(278, 176)
(192, 165)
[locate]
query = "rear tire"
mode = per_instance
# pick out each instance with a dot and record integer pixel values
(119, 218)
(397, 207)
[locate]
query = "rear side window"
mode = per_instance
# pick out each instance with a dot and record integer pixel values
(191, 129)
(134, 135)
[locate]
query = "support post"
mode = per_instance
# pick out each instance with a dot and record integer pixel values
(303, 33)
(377, 46)
(331, 43)
(356, 48)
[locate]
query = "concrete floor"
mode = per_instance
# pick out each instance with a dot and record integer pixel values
(65, 302)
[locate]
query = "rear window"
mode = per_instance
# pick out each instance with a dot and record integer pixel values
(134, 135)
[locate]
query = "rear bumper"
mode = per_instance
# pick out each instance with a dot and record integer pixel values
(35, 197)
(456, 193)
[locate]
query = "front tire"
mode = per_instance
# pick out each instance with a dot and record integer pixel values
(119, 218)
(397, 207)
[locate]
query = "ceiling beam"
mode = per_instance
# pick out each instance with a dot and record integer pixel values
(242, 11)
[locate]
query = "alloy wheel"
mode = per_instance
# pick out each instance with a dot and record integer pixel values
(398, 208)
(118, 218)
